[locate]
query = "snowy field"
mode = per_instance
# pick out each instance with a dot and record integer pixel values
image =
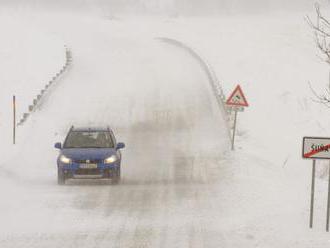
(182, 186)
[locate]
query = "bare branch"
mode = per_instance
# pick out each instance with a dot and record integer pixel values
(321, 28)
(323, 99)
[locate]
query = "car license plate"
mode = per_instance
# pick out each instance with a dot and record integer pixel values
(88, 166)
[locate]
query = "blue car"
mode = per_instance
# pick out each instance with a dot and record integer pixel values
(89, 153)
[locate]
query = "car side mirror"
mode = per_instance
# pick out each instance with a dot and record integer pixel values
(58, 145)
(120, 145)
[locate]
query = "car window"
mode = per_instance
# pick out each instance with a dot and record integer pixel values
(89, 139)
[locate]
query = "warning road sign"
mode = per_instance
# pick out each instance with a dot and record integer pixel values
(237, 98)
(316, 148)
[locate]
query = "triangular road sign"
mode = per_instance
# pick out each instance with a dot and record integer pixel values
(237, 98)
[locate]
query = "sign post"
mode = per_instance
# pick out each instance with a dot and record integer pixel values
(234, 131)
(236, 102)
(311, 212)
(317, 148)
(328, 204)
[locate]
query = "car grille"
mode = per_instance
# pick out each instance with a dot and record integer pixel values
(86, 161)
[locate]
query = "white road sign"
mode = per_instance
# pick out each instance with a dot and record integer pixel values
(316, 148)
(235, 108)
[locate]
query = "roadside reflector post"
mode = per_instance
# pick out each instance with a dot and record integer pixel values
(328, 205)
(14, 119)
(311, 213)
(236, 102)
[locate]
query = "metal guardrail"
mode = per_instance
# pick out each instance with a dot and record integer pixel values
(38, 98)
(212, 77)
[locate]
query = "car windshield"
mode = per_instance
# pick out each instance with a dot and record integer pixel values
(89, 139)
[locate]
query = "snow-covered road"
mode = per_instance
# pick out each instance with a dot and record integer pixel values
(181, 187)
(159, 102)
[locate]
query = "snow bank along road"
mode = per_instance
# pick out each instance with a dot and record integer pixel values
(158, 101)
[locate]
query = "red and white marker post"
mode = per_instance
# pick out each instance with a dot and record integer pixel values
(237, 102)
(14, 119)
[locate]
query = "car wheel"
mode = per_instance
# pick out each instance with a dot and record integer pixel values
(60, 177)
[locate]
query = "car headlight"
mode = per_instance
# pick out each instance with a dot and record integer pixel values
(65, 160)
(111, 159)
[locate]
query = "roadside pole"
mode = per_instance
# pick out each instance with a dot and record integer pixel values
(14, 119)
(311, 214)
(234, 131)
(328, 205)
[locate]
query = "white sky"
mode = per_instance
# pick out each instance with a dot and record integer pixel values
(168, 6)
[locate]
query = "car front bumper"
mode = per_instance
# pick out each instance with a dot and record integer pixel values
(75, 170)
